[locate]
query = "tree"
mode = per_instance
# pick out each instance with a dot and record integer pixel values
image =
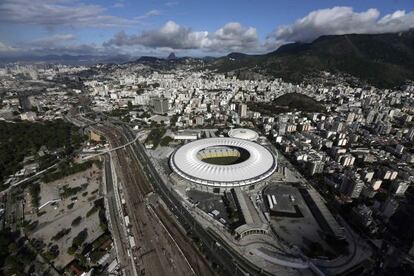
(166, 141)
(76, 221)
(12, 247)
(130, 105)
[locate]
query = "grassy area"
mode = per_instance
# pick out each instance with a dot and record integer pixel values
(228, 160)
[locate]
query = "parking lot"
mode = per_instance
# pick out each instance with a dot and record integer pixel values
(292, 218)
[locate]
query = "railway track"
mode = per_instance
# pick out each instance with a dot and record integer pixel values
(156, 253)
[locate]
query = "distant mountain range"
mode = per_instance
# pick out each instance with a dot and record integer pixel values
(66, 59)
(384, 60)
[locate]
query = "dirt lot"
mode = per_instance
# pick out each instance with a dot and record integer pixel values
(75, 196)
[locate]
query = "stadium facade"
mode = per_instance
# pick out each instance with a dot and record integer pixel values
(199, 162)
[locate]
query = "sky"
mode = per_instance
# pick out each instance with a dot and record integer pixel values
(187, 27)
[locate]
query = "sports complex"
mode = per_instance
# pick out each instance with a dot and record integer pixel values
(223, 162)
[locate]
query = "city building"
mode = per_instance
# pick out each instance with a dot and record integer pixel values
(160, 105)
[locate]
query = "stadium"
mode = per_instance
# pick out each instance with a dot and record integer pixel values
(244, 133)
(223, 162)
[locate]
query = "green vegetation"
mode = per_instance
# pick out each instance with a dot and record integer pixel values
(76, 221)
(69, 191)
(78, 241)
(97, 255)
(14, 254)
(92, 211)
(65, 169)
(34, 191)
(21, 139)
(39, 214)
(103, 223)
(299, 102)
(100, 247)
(46, 161)
(166, 141)
(174, 118)
(155, 136)
(287, 103)
(92, 198)
(51, 253)
(101, 240)
(30, 226)
(227, 160)
(61, 234)
(384, 60)
(118, 112)
(238, 156)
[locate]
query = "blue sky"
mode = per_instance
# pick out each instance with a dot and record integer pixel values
(188, 27)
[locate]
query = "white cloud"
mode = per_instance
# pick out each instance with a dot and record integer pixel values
(343, 20)
(151, 13)
(4, 48)
(231, 37)
(53, 13)
(119, 5)
(55, 39)
(172, 3)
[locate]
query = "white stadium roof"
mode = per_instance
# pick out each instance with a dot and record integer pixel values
(259, 165)
(244, 133)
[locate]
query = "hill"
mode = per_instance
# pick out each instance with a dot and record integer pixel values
(287, 103)
(384, 60)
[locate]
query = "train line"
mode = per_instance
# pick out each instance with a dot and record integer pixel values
(156, 253)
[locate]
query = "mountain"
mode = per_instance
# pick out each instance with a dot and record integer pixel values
(66, 59)
(171, 56)
(236, 55)
(149, 59)
(170, 63)
(384, 60)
